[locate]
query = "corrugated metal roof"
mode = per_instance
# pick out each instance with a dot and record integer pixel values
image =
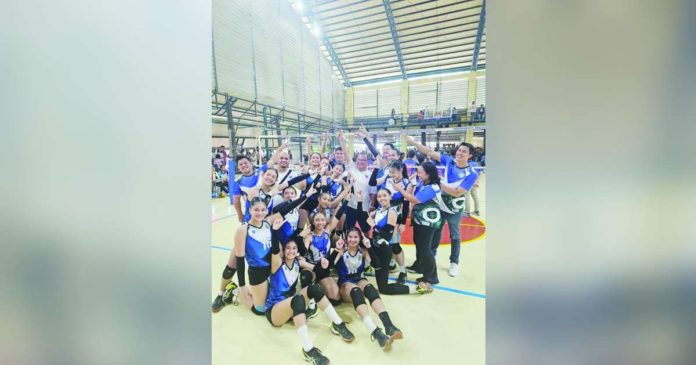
(428, 36)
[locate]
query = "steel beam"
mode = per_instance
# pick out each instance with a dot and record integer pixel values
(327, 43)
(479, 36)
(395, 37)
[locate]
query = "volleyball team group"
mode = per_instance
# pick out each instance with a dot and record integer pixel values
(332, 222)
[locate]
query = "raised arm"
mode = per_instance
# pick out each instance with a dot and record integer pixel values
(276, 260)
(462, 188)
(337, 217)
(364, 134)
(308, 142)
(424, 149)
(274, 158)
(348, 154)
(322, 146)
(342, 196)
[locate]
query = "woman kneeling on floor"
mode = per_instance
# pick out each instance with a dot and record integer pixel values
(281, 304)
(350, 264)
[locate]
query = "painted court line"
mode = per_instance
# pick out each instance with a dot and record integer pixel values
(439, 287)
(225, 217)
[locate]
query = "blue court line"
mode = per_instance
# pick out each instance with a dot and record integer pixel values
(451, 290)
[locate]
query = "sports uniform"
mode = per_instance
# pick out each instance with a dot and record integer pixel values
(242, 186)
(455, 177)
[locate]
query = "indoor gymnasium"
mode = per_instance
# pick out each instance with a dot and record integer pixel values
(348, 149)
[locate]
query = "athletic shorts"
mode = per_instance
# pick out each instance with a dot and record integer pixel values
(321, 273)
(352, 281)
(268, 316)
(258, 275)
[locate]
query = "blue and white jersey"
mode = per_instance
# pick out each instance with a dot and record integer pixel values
(456, 177)
(335, 188)
(397, 197)
(242, 186)
(428, 211)
(381, 221)
(258, 245)
(288, 228)
(310, 181)
(350, 268)
(285, 176)
(318, 247)
(282, 283)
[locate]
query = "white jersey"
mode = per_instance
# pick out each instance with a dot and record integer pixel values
(361, 180)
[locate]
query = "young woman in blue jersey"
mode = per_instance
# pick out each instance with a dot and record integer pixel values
(458, 178)
(401, 205)
(383, 222)
(426, 219)
(252, 242)
(282, 303)
(248, 180)
(317, 239)
(350, 264)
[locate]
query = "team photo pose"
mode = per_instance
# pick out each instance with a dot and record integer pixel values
(317, 239)
(349, 259)
(394, 177)
(383, 225)
(457, 180)
(426, 219)
(252, 242)
(282, 303)
(249, 180)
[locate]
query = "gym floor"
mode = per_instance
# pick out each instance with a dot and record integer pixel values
(446, 324)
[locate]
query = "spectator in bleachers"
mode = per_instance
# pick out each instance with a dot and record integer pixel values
(421, 115)
(472, 110)
(454, 114)
(481, 112)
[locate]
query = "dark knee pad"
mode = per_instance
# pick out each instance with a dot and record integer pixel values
(335, 302)
(298, 305)
(357, 296)
(305, 278)
(228, 273)
(371, 293)
(314, 291)
(396, 248)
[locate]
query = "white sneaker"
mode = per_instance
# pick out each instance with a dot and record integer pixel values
(453, 270)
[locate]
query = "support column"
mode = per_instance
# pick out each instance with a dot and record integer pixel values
(404, 101)
(349, 106)
(472, 93)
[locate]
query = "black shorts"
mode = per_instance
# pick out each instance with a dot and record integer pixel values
(258, 275)
(310, 205)
(268, 316)
(321, 273)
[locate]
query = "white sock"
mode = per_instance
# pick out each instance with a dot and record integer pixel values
(304, 333)
(333, 316)
(222, 292)
(371, 326)
(312, 304)
(412, 289)
(402, 268)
